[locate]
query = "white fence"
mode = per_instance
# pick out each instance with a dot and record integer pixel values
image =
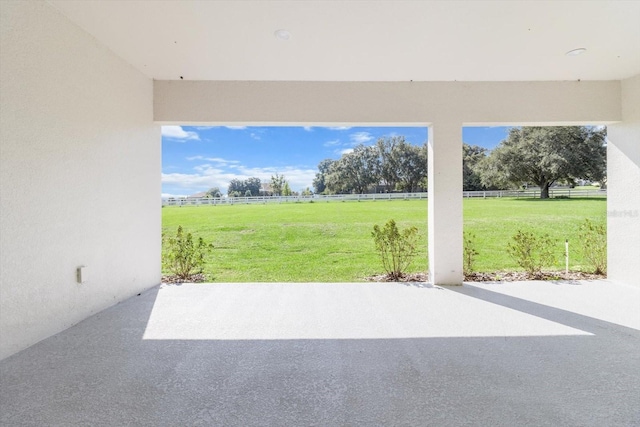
(553, 193)
(193, 201)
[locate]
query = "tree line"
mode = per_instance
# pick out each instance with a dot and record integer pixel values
(392, 164)
(539, 156)
(252, 187)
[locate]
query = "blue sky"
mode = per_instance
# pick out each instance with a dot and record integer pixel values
(196, 158)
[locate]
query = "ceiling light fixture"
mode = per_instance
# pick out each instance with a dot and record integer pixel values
(576, 52)
(282, 34)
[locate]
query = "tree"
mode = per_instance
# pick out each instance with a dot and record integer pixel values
(235, 186)
(392, 161)
(412, 164)
(472, 155)
(250, 186)
(355, 171)
(277, 184)
(335, 180)
(402, 165)
(286, 190)
(323, 169)
(545, 155)
(388, 152)
(253, 185)
(214, 192)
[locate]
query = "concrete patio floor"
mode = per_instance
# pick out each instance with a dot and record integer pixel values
(361, 354)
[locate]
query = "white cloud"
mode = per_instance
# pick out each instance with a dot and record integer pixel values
(360, 137)
(176, 132)
(205, 127)
(236, 127)
(308, 128)
(332, 143)
(344, 151)
(218, 160)
(254, 136)
(339, 127)
(193, 181)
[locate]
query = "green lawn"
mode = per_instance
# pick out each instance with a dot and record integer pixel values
(331, 242)
(494, 221)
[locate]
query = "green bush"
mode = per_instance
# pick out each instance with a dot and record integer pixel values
(470, 252)
(531, 252)
(594, 244)
(182, 256)
(396, 248)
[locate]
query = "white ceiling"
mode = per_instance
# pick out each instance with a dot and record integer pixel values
(368, 40)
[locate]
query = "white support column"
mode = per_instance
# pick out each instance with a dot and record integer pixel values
(623, 196)
(445, 203)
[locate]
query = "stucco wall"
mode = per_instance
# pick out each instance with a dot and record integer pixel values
(79, 176)
(623, 219)
(185, 102)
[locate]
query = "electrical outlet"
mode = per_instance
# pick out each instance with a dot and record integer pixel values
(82, 274)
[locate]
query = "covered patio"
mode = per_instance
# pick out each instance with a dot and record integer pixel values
(85, 87)
(534, 353)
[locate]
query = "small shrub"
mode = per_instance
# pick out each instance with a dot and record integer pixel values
(594, 244)
(396, 248)
(470, 253)
(531, 252)
(182, 256)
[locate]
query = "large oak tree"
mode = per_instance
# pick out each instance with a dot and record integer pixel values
(546, 155)
(472, 156)
(355, 171)
(319, 184)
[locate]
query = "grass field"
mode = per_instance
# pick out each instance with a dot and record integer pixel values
(331, 242)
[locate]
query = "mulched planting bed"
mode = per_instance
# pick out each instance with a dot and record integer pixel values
(194, 278)
(412, 277)
(498, 276)
(514, 276)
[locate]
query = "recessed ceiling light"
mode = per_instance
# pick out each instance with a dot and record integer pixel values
(282, 34)
(576, 52)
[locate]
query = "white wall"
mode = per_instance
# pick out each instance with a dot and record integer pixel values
(185, 102)
(79, 176)
(623, 181)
